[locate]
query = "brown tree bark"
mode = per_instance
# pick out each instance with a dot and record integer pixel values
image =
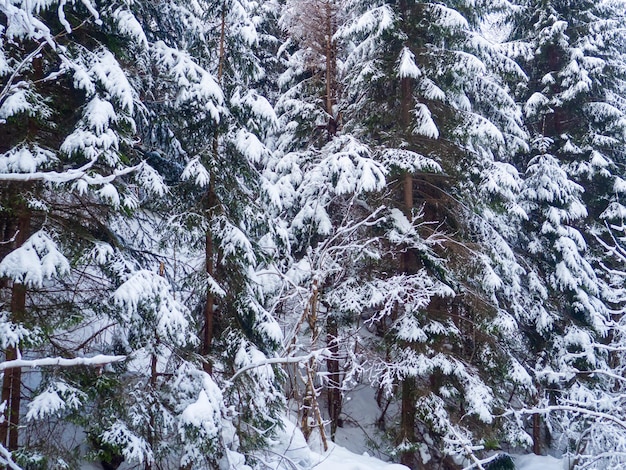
(334, 377)
(211, 200)
(408, 385)
(10, 354)
(209, 309)
(537, 434)
(331, 65)
(12, 381)
(407, 421)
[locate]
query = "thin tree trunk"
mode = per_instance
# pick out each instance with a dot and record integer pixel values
(309, 400)
(313, 404)
(334, 379)
(407, 192)
(220, 65)
(209, 310)
(153, 386)
(537, 434)
(11, 385)
(408, 405)
(330, 47)
(310, 406)
(329, 59)
(10, 355)
(407, 421)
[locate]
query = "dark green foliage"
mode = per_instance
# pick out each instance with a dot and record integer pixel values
(502, 462)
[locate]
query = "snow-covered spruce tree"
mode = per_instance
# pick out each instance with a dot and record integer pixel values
(213, 225)
(325, 181)
(428, 91)
(204, 122)
(77, 89)
(574, 109)
(66, 112)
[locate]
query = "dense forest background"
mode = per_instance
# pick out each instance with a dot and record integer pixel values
(215, 213)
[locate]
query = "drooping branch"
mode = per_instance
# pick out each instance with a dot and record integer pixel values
(280, 360)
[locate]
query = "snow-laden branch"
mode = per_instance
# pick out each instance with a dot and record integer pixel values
(280, 360)
(349, 228)
(469, 450)
(6, 459)
(608, 347)
(478, 464)
(574, 409)
(69, 175)
(48, 40)
(4, 93)
(607, 373)
(99, 360)
(604, 455)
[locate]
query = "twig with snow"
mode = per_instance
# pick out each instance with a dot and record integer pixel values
(280, 360)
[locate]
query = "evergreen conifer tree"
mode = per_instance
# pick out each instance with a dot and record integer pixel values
(573, 56)
(429, 91)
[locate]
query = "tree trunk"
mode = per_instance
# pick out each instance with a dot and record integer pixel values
(408, 405)
(537, 434)
(153, 387)
(334, 379)
(10, 355)
(12, 381)
(310, 407)
(330, 49)
(211, 202)
(309, 399)
(407, 421)
(209, 309)
(330, 59)
(220, 65)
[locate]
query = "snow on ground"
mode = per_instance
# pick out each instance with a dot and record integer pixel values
(359, 432)
(340, 458)
(290, 450)
(539, 462)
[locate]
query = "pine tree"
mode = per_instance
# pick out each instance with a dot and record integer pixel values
(445, 151)
(213, 141)
(573, 55)
(67, 112)
(72, 174)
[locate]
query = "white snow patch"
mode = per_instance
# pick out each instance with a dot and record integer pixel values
(538, 462)
(38, 259)
(340, 458)
(406, 65)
